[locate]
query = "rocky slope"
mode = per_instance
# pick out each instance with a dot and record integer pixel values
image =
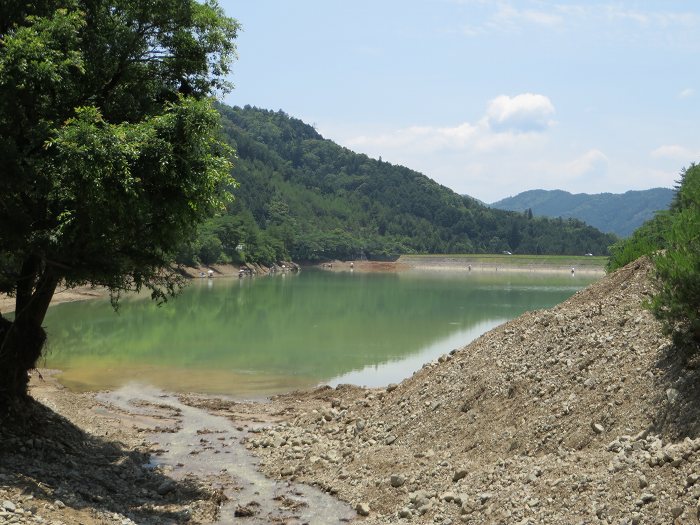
(578, 414)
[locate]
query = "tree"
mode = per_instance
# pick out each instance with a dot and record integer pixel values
(109, 155)
(677, 304)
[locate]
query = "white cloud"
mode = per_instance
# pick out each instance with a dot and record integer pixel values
(422, 138)
(509, 123)
(605, 19)
(675, 152)
(593, 163)
(511, 17)
(686, 93)
(522, 113)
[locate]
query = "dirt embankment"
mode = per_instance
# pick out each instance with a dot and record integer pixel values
(578, 414)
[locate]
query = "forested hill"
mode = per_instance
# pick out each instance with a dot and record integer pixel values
(305, 197)
(615, 213)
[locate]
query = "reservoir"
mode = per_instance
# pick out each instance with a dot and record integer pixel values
(253, 337)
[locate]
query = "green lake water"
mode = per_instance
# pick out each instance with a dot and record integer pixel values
(254, 337)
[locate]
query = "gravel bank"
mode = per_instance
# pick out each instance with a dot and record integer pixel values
(578, 414)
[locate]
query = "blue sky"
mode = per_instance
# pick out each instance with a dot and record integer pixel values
(488, 98)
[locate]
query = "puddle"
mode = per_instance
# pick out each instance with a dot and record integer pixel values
(208, 446)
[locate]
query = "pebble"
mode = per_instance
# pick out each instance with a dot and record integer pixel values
(597, 428)
(166, 487)
(397, 480)
(459, 474)
(362, 509)
(676, 511)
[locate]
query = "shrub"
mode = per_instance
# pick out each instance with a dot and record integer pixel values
(677, 305)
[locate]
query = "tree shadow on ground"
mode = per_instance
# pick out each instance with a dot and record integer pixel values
(47, 456)
(678, 376)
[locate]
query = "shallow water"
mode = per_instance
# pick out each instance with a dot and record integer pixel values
(255, 337)
(208, 446)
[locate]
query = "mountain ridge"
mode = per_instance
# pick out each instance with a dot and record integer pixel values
(618, 213)
(304, 197)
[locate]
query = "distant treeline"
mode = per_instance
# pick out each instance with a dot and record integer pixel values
(303, 197)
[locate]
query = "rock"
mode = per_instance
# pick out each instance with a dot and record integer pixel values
(691, 480)
(9, 506)
(360, 424)
(166, 487)
(459, 474)
(404, 513)
(672, 395)
(647, 497)
(676, 511)
(420, 498)
(484, 497)
(597, 428)
(448, 496)
(245, 511)
(362, 509)
(391, 387)
(643, 483)
(287, 471)
(389, 440)
(397, 480)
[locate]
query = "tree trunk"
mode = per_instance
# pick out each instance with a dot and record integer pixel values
(22, 340)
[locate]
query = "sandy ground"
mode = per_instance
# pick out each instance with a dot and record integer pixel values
(450, 264)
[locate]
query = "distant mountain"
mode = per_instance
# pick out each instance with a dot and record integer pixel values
(618, 213)
(305, 197)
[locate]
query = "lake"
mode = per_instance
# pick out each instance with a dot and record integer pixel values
(254, 337)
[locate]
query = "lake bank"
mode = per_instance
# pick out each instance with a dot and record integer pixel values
(477, 263)
(578, 412)
(83, 293)
(458, 263)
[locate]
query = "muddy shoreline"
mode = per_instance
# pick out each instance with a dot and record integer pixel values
(141, 455)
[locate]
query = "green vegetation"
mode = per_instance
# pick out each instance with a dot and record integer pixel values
(109, 151)
(620, 214)
(672, 239)
(307, 198)
(647, 239)
(677, 304)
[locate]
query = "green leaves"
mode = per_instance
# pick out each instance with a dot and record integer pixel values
(108, 141)
(677, 304)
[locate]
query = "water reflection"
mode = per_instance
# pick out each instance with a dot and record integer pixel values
(245, 336)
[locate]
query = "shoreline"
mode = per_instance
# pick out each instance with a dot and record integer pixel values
(576, 410)
(432, 263)
(83, 293)
(436, 263)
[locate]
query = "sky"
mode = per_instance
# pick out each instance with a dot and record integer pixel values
(489, 98)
